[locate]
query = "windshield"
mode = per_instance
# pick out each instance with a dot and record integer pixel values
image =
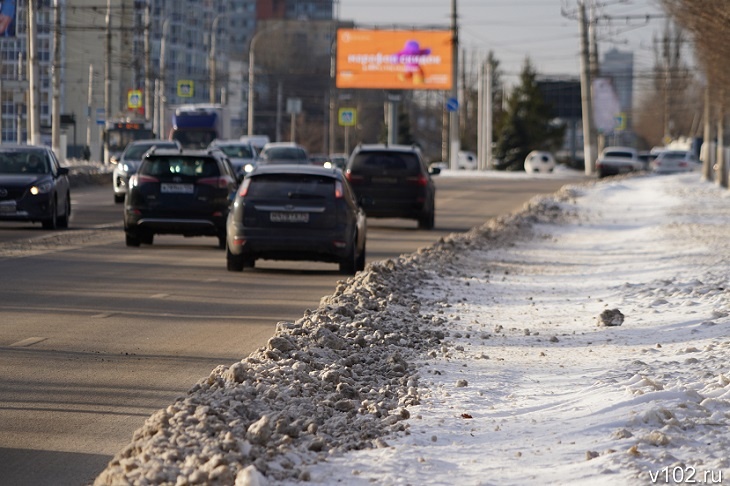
(284, 153)
(237, 151)
(24, 162)
(137, 150)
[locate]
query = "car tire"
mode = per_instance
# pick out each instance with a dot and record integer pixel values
(118, 198)
(234, 263)
(348, 265)
(63, 220)
(131, 239)
(360, 265)
(427, 219)
(52, 221)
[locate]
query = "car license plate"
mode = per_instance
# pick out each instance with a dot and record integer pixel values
(168, 188)
(7, 207)
(289, 217)
(385, 180)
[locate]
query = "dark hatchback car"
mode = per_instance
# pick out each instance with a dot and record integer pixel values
(393, 182)
(296, 212)
(33, 186)
(184, 192)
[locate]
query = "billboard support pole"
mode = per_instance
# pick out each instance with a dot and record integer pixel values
(454, 115)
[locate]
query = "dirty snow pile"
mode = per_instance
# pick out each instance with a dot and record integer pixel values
(584, 338)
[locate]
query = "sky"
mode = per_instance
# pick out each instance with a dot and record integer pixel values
(580, 340)
(546, 31)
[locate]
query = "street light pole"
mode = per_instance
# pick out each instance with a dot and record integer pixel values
(163, 73)
(212, 64)
(251, 75)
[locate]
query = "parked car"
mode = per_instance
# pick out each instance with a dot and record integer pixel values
(241, 154)
(283, 153)
(618, 160)
(33, 186)
(128, 162)
(540, 161)
(296, 212)
(392, 181)
(184, 192)
(674, 161)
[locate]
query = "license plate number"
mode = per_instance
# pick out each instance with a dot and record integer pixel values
(385, 180)
(289, 217)
(7, 207)
(167, 188)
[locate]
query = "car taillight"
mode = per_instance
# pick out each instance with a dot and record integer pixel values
(683, 164)
(352, 178)
(145, 179)
(220, 182)
(243, 190)
(421, 180)
(339, 191)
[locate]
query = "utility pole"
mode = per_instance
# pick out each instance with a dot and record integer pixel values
(212, 64)
(148, 112)
(163, 74)
(56, 82)
(454, 115)
(107, 75)
(707, 155)
(589, 155)
(34, 123)
(89, 105)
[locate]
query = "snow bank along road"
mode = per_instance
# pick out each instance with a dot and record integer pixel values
(482, 360)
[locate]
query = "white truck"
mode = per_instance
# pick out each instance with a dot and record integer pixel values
(196, 125)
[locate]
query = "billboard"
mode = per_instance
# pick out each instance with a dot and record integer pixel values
(7, 18)
(394, 59)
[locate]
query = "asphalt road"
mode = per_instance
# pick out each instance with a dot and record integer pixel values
(95, 336)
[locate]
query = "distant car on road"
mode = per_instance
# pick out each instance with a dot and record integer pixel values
(392, 181)
(33, 186)
(674, 161)
(241, 154)
(618, 160)
(183, 192)
(283, 153)
(126, 165)
(296, 212)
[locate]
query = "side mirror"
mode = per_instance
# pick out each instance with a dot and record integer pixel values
(434, 170)
(63, 171)
(114, 160)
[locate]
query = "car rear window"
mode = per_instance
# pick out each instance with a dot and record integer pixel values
(169, 167)
(284, 153)
(136, 151)
(237, 151)
(617, 153)
(291, 186)
(377, 162)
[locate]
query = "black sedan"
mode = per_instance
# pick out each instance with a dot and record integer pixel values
(33, 186)
(296, 212)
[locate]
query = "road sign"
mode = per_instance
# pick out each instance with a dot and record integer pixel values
(185, 88)
(452, 104)
(293, 106)
(134, 99)
(100, 118)
(347, 117)
(621, 121)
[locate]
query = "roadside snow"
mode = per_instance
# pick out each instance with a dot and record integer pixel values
(484, 360)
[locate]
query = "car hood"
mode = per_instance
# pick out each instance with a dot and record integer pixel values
(21, 180)
(132, 164)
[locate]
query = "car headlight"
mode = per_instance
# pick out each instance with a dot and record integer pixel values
(248, 168)
(42, 188)
(125, 167)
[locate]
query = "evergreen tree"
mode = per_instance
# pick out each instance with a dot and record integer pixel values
(527, 124)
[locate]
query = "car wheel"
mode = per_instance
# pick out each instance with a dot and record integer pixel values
(234, 263)
(360, 265)
(52, 221)
(132, 239)
(118, 198)
(427, 219)
(63, 220)
(348, 265)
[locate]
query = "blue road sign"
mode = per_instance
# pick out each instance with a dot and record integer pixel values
(452, 104)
